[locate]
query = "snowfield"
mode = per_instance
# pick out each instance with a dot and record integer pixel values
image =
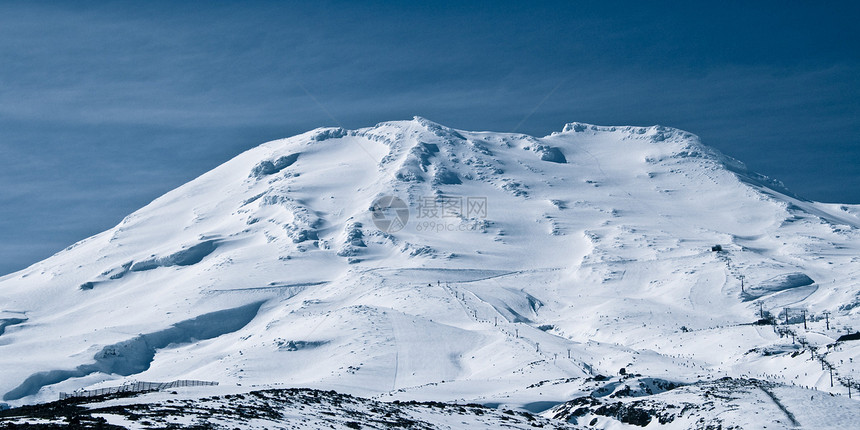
(535, 274)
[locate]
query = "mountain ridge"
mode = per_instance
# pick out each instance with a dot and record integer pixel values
(511, 260)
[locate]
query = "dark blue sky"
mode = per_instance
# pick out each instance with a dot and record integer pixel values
(106, 106)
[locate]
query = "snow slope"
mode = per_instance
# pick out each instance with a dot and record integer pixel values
(523, 260)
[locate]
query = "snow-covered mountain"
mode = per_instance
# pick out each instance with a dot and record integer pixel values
(414, 261)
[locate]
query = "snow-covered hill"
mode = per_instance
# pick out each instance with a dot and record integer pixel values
(413, 261)
(266, 409)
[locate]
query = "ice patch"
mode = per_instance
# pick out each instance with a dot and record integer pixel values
(136, 354)
(446, 177)
(551, 154)
(330, 133)
(185, 257)
(268, 167)
(86, 286)
(6, 322)
(353, 240)
(118, 272)
(295, 345)
(416, 162)
(776, 284)
(513, 305)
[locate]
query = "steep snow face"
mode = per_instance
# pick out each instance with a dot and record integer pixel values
(411, 260)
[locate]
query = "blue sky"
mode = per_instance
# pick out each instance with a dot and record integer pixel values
(104, 106)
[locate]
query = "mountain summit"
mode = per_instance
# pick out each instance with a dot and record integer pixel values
(410, 260)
